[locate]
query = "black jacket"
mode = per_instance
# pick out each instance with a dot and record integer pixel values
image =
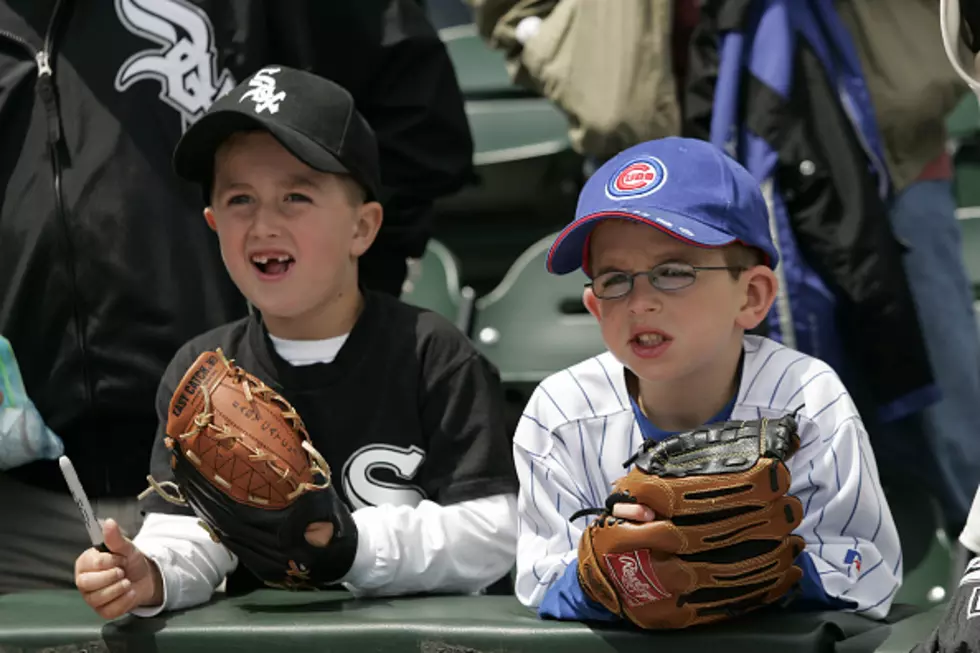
(832, 207)
(106, 264)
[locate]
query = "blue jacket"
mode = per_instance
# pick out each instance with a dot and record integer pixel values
(778, 84)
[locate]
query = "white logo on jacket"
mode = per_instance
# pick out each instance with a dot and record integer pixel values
(363, 488)
(263, 91)
(185, 64)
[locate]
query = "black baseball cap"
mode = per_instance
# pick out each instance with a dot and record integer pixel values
(312, 117)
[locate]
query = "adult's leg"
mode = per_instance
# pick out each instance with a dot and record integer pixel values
(924, 217)
(43, 534)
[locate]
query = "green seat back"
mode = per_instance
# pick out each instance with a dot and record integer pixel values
(516, 129)
(964, 121)
(433, 283)
(533, 323)
(927, 554)
(927, 584)
(970, 233)
(480, 69)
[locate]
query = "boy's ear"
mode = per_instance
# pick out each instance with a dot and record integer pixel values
(761, 286)
(366, 226)
(209, 218)
(591, 302)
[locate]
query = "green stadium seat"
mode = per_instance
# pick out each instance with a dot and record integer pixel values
(970, 233)
(481, 70)
(927, 584)
(433, 283)
(964, 121)
(526, 173)
(533, 323)
(928, 556)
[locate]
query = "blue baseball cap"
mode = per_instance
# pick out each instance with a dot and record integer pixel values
(687, 188)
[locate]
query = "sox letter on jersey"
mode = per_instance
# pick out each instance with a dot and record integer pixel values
(580, 426)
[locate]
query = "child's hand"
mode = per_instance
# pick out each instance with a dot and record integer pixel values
(319, 533)
(633, 512)
(117, 582)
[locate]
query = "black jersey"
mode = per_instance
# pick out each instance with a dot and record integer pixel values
(408, 410)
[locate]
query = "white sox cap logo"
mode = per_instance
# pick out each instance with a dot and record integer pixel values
(263, 91)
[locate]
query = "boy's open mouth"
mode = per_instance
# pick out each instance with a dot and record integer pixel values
(650, 339)
(272, 265)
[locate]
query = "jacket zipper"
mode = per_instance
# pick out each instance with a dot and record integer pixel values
(46, 91)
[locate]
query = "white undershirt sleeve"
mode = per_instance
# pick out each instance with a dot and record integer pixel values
(461, 547)
(191, 564)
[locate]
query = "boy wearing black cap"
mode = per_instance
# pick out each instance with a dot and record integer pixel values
(399, 403)
(674, 236)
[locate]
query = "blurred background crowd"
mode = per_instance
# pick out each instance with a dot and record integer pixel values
(490, 115)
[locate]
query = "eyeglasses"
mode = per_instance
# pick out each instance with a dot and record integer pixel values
(668, 277)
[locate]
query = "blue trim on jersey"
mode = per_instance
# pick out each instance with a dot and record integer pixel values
(566, 600)
(812, 595)
(651, 432)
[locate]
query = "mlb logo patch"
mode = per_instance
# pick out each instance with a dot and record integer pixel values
(853, 557)
(638, 177)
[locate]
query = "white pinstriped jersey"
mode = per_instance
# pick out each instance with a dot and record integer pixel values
(578, 428)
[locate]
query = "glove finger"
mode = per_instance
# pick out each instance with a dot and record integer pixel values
(684, 535)
(772, 521)
(719, 596)
(763, 568)
(638, 559)
(762, 484)
(685, 599)
(727, 607)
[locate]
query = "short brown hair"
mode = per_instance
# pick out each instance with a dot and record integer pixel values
(742, 257)
(356, 193)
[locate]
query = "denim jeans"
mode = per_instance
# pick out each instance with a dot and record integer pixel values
(923, 217)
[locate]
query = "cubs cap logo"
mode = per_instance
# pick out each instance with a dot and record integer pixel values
(637, 177)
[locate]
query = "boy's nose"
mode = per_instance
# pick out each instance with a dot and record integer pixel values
(266, 223)
(644, 298)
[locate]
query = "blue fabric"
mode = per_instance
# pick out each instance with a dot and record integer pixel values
(812, 595)
(923, 216)
(804, 315)
(565, 600)
(651, 432)
(684, 187)
(24, 437)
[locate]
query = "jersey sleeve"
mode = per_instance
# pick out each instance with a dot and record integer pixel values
(855, 558)
(551, 490)
(468, 445)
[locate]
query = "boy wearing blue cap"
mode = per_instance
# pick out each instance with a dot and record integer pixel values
(674, 236)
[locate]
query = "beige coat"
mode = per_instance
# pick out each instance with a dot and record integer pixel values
(912, 84)
(606, 64)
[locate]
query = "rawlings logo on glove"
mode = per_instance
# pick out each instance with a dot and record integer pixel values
(721, 541)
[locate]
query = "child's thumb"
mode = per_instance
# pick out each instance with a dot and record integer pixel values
(115, 541)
